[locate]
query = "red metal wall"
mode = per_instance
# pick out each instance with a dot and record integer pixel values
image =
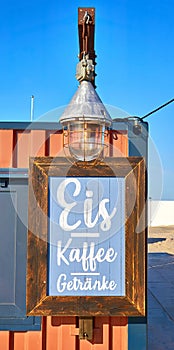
(58, 333)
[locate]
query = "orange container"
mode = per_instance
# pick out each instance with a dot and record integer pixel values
(58, 333)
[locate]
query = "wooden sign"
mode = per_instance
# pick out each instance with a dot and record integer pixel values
(85, 254)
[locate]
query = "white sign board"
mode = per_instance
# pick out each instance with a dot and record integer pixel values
(86, 236)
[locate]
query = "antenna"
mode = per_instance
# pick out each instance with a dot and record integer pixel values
(32, 108)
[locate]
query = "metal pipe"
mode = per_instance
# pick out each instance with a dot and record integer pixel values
(32, 108)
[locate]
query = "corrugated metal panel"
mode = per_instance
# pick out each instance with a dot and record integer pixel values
(37, 143)
(58, 332)
(22, 148)
(110, 333)
(17, 145)
(54, 143)
(118, 144)
(6, 147)
(4, 341)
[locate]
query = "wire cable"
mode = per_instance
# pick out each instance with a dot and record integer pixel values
(157, 109)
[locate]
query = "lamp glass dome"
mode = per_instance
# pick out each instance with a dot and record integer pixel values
(85, 122)
(85, 140)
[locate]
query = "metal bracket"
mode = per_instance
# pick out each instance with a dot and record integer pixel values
(85, 70)
(86, 328)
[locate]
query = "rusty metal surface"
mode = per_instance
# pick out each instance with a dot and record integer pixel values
(86, 30)
(86, 27)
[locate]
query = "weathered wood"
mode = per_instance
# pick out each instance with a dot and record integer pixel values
(38, 302)
(85, 306)
(136, 240)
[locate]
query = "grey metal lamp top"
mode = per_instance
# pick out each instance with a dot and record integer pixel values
(86, 105)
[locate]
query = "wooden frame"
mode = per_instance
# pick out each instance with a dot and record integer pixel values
(134, 302)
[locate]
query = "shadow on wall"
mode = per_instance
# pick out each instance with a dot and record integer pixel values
(155, 240)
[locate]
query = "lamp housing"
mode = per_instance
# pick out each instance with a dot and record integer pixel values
(85, 124)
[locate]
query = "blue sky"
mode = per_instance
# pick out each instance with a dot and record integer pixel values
(135, 55)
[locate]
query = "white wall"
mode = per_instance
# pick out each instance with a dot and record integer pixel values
(161, 213)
